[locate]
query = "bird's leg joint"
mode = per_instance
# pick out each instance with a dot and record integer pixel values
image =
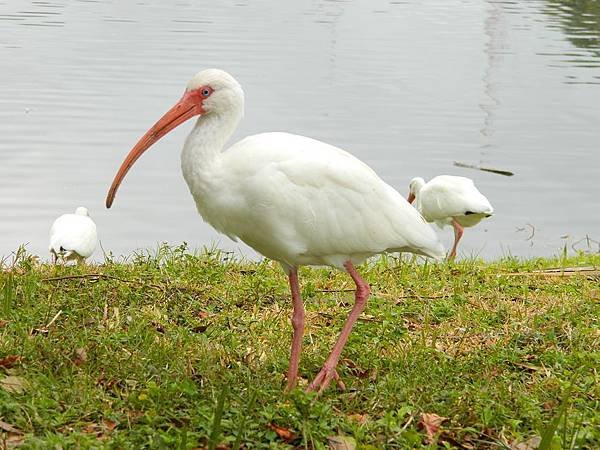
(362, 293)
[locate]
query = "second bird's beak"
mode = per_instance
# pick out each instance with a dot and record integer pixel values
(188, 106)
(411, 197)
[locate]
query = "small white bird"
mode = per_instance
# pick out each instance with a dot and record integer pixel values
(293, 199)
(450, 200)
(73, 237)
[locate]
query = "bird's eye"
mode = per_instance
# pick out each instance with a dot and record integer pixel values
(205, 92)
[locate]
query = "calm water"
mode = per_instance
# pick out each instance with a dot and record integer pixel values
(407, 86)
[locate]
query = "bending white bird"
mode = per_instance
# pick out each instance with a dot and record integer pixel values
(294, 199)
(450, 200)
(73, 237)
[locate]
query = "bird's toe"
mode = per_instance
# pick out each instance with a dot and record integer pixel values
(323, 378)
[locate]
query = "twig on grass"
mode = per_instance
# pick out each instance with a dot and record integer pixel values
(45, 330)
(362, 319)
(559, 272)
(98, 276)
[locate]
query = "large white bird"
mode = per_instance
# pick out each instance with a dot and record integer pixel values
(73, 237)
(450, 200)
(293, 199)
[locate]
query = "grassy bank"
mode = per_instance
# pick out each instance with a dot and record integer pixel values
(140, 354)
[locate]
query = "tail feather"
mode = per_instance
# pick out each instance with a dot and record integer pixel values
(436, 252)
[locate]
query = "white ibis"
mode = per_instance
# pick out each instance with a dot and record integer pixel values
(73, 237)
(293, 199)
(450, 200)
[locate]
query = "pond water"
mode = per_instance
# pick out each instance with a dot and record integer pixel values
(407, 86)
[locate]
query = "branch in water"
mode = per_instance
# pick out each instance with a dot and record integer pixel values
(506, 173)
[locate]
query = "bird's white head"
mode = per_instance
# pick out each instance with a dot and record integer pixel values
(82, 211)
(209, 92)
(414, 187)
(219, 92)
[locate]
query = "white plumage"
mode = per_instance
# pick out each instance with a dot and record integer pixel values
(291, 198)
(450, 200)
(303, 202)
(73, 236)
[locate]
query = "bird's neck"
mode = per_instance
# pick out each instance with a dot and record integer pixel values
(209, 135)
(204, 145)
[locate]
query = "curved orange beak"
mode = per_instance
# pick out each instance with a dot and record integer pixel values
(411, 197)
(187, 107)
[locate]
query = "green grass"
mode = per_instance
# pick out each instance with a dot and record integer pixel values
(174, 350)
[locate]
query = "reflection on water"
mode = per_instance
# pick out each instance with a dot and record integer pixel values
(580, 20)
(407, 86)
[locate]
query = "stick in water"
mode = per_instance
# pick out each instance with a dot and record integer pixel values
(506, 173)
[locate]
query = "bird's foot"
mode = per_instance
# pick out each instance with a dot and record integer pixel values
(323, 379)
(339, 382)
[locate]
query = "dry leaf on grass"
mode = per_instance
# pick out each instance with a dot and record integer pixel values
(90, 428)
(100, 430)
(12, 440)
(431, 423)
(283, 433)
(341, 443)
(109, 424)
(14, 385)
(134, 415)
(13, 437)
(79, 356)
(8, 427)
(355, 370)
(158, 327)
(549, 405)
(358, 418)
(530, 444)
(3, 323)
(9, 361)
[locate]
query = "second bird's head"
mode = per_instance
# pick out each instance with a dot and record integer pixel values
(414, 187)
(82, 211)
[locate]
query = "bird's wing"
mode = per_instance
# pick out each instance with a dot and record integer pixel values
(71, 232)
(449, 196)
(323, 200)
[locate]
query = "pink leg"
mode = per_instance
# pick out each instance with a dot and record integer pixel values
(328, 371)
(458, 232)
(298, 325)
